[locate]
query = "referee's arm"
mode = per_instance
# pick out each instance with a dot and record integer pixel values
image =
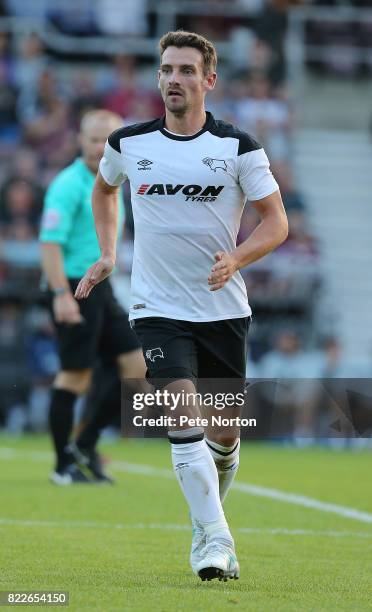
(65, 307)
(105, 211)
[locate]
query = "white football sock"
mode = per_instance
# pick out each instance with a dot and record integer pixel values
(198, 478)
(226, 459)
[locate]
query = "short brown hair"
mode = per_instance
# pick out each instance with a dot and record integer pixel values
(181, 39)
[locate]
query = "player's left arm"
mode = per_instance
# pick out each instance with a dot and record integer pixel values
(261, 189)
(266, 237)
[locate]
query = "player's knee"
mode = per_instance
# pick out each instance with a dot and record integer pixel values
(225, 440)
(76, 381)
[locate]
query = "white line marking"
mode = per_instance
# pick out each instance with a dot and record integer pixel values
(7, 522)
(258, 491)
(250, 489)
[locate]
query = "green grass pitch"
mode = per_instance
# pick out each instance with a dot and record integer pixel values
(126, 547)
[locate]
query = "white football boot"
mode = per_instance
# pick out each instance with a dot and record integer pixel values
(198, 543)
(219, 561)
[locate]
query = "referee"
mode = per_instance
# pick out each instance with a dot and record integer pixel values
(190, 177)
(97, 327)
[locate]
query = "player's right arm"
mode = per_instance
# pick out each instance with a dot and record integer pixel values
(105, 210)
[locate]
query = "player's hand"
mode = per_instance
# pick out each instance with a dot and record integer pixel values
(94, 275)
(222, 270)
(66, 309)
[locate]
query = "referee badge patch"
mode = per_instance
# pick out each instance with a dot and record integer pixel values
(51, 219)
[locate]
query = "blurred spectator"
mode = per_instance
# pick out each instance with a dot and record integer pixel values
(35, 10)
(271, 27)
(30, 64)
(127, 97)
(286, 360)
(76, 18)
(14, 382)
(220, 102)
(25, 166)
(332, 362)
(47, 124)
(84, 95)
(6, 57)
(115, 17)
(20, 208)
(292, 198)
(266, 117)
(43, 365)
(9, 130)
(301, 246)
(296, 394)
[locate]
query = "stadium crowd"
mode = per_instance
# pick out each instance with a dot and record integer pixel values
(41, 101)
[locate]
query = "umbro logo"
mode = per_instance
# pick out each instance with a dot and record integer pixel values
(144, 164)
(214, 164)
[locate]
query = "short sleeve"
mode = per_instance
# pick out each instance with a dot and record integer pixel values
(61, 202)
(254, 175)
(111, 166)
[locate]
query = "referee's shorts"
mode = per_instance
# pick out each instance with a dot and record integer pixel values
(104, 332)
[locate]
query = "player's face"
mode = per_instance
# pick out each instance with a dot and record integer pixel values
(182, 81)
(92, 141)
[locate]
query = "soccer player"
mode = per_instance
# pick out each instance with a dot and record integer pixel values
(97, 327)
(190, 176)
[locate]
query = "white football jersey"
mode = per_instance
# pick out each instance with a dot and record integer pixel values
(188, 195)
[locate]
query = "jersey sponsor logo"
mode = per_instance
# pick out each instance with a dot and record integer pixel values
(193, 193)
(152, 354)
(142, 190)
(215, 164)
(144, 164)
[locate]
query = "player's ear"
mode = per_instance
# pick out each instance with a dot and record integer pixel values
(158, 79)
(210, 81)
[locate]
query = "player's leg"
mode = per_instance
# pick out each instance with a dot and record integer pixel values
(221, 368)
(224, 365)
(170, 355)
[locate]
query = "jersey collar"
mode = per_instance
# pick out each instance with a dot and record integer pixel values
(205, 128)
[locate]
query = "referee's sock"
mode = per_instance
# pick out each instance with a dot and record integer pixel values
(226, 459)
(61, 419)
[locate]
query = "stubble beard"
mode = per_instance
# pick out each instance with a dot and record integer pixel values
(177, 111)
